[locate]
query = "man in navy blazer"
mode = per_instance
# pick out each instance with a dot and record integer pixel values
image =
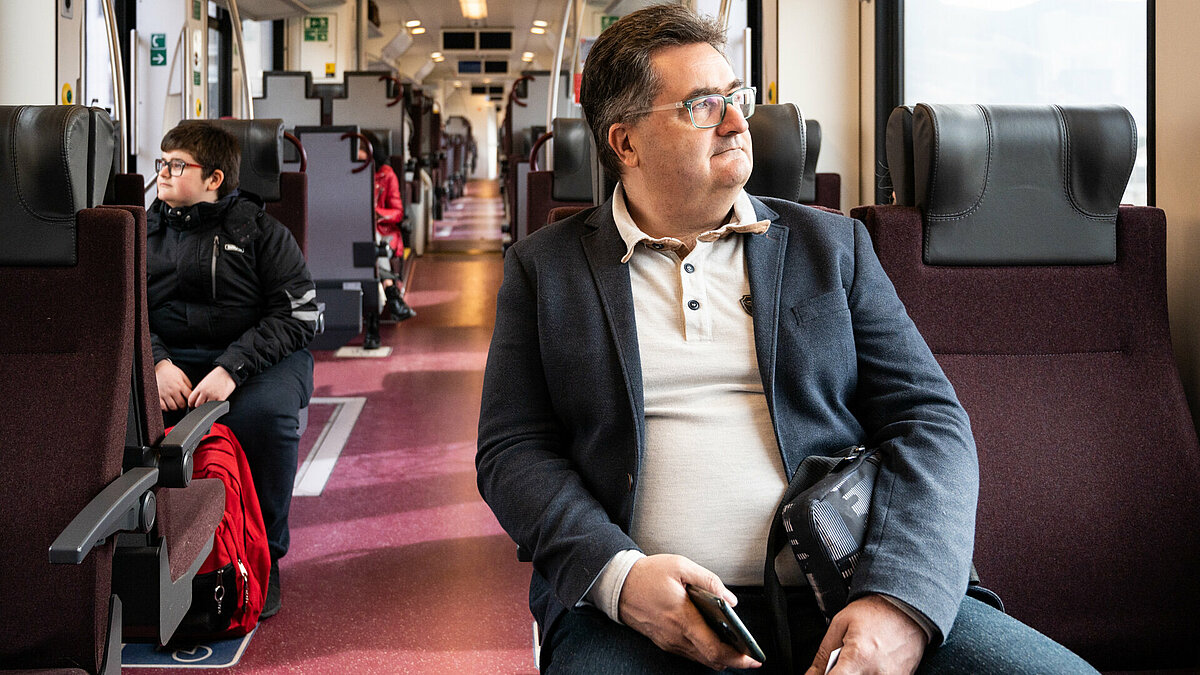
(669, 357)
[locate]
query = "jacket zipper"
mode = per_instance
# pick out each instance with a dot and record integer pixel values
(216, 252)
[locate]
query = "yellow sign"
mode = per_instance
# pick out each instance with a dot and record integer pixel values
(68, 96)
(771, 93)
(199, 107)
(330, 69)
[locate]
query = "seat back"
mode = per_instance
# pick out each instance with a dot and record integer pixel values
(65, 389)
(780, 145)
(1059, 349)
(284, 192)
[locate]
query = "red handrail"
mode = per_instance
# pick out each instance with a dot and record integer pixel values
(288, 136)
(537, 145)
(399, 88)
(370, 150)
(512, 95)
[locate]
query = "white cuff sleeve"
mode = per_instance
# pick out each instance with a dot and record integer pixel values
(914, 614)
(605, 592)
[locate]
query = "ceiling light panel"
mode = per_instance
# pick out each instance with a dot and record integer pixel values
(473, 9)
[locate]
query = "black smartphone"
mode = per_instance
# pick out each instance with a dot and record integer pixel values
(725, 622)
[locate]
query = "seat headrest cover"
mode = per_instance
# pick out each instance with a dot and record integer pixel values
(1021, 185)
(778, 135)
(572, 161)
(54, 161)
(898, 143)
(812, 150)
(262, 154)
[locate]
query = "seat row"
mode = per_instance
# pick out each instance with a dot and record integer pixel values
(106, 526)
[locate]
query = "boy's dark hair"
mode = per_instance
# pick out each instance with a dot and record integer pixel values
(618, 77)
(212, 147)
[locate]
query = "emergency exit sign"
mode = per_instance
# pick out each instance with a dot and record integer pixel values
(316, 29)
(158, 49)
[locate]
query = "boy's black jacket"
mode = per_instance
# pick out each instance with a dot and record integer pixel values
(227, 276)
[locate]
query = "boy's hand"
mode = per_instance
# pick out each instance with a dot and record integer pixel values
(216, 386)
(174, 387)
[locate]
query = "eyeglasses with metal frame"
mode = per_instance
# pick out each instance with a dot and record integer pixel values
(708, 111)
(177, 166)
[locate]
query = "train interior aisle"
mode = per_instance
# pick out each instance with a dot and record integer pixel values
(396, 564)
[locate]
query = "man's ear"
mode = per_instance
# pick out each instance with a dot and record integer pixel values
(621, 143)
(214, 181)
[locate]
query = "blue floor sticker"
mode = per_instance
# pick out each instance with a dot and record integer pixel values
(222, 654)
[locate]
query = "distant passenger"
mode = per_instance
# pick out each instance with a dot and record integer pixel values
(389, 219)
(662, 363)
(232, 310)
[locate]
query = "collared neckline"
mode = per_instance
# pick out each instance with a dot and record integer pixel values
(743, 219)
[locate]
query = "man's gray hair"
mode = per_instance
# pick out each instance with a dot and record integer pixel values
(618, 77)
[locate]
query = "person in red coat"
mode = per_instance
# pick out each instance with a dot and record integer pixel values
(389, 213)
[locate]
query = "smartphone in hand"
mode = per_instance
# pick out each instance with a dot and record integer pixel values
(725, 622)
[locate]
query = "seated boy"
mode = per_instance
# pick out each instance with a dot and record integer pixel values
(232, 310)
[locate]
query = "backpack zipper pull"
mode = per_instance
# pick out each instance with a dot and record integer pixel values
(245, 582)
(219, 590)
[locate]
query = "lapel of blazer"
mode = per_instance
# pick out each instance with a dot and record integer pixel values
(764, 264)
(603, 246)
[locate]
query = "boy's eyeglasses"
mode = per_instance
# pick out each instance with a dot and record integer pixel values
(708, 111)
(177, 166)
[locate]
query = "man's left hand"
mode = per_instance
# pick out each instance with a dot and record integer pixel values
(875, 637)
(216, 386)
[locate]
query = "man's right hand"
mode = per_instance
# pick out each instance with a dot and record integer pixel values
(654, 602)
(174, 387)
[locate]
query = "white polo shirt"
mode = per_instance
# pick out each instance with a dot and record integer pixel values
(712, 474)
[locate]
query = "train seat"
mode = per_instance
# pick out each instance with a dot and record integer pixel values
(1045, 303)
(570, 182)
(288, 95)
(66, 392)
(63, 403)
(786, 147)
(341, 235)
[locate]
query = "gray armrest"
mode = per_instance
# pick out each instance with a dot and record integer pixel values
(175, 452)
(118, 507)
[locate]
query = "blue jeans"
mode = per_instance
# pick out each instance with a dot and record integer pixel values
(264, 415)
(982, 641)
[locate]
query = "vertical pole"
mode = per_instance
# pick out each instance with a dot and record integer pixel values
(248, 104)
(117, 67)
(555, 77)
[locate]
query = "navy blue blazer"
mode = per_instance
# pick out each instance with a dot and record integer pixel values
(562, 428)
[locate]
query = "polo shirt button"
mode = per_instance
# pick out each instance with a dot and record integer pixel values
(656, 246)
(689, 268)
(693, 304)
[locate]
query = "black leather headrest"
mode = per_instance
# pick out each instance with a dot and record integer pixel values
(812, 150)
(262, 154)
(1021, 185)
(572, 161)
(898, 143)
(778, 134)
(54, 161)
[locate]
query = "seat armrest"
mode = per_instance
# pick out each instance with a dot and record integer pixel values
(175, 452)
(126, 504)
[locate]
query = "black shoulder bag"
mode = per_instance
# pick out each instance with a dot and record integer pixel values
(823, 515)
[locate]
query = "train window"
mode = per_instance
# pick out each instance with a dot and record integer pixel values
(260, 48)
(1031, 51)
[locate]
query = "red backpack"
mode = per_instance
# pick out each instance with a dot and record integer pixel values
(230, 589)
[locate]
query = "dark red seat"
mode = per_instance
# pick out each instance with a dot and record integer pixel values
(1046, 306)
